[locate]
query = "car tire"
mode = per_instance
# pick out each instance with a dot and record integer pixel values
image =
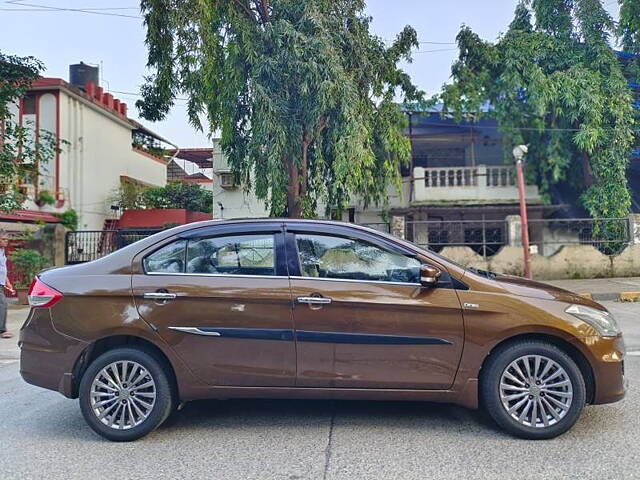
(137, 407)
(530, 379)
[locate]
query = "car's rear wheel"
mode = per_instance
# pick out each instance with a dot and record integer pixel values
(125, 394)
(533, 389)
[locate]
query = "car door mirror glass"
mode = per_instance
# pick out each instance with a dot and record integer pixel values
(429, 275)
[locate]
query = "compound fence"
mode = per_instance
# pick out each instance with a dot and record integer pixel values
(547, 236)
(486, 237)
(86, 245)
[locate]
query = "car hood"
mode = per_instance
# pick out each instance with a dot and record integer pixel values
(529, 288)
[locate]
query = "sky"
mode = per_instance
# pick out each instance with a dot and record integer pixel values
(115, 42)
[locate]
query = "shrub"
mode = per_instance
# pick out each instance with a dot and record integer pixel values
(69, 219)
(179, 195)
(27, 264)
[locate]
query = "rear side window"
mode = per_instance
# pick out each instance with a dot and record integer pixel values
(232, 255)
(168, 259)
(229, 255)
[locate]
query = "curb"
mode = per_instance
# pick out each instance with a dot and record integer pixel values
(613, 297)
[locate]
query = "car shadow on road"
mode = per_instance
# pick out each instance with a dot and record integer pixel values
(216, 416)
(205, 414)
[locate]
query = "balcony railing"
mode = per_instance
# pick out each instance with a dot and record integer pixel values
(479, 184)
(469, 176)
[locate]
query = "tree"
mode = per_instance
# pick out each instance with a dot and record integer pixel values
(179, 195)
(554, 83)
(629, 35)
(301, 91)
(20, 153)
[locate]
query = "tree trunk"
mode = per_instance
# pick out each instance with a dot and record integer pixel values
(298, 181)
(293, 192)
(586, 170)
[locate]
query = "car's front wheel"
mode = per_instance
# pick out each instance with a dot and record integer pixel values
(125, 394)
(533, 389)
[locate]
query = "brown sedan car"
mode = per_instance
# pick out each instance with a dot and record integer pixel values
(311, 309)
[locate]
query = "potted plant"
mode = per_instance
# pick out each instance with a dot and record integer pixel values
(45, 198)
(27, 263)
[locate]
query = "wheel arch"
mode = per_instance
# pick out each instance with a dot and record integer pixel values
(567, 347)
(104, 344)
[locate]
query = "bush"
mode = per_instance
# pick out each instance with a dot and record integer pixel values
(179, 195)
(27, 264)
(45, 198)
(69, 219)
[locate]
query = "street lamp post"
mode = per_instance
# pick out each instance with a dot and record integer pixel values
(519, 151)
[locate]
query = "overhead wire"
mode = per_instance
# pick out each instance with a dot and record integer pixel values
(48, 8)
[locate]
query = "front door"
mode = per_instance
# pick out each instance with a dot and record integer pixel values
(363, 320)
(222, 302)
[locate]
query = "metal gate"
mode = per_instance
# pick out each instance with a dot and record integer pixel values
(87, 245)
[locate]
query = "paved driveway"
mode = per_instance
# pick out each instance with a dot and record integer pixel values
(42, 435)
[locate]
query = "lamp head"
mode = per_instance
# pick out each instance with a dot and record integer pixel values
(519, 151)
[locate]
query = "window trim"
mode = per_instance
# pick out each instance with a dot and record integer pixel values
(279, 267)
(385, 282)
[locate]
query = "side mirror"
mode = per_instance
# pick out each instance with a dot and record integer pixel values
(429, 275)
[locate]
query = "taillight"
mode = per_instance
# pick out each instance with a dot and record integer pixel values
(42, 295)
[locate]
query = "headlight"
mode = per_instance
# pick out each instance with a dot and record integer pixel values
(603, 322)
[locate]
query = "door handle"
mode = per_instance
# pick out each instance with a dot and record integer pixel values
(159, 296)
(314, 300)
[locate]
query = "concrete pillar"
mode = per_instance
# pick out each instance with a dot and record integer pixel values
(634, 229)
(419, 185)
(514, 230)
(58, 237)
(398, 226)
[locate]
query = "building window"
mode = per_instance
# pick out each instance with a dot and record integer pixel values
(29, 105)
(227, 180)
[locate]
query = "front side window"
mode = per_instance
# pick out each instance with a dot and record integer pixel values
(324, 256)
(168, 259)
(232, 255)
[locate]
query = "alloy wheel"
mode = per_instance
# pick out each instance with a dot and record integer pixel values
(536, 391)
(123, 395)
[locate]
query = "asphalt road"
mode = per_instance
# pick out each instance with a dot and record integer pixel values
(42, 435)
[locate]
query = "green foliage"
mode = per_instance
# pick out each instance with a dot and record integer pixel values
(148, 144)
(629, 25)
(69, 219)
(45, 198)
(179, 195)
(20, 154)
(186, 195)
(555, 84)
(629, 35)
(302, 93)
(129, 196)
(27, 264)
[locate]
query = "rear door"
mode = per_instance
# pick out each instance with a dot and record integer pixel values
(362, 318)
(220, 297)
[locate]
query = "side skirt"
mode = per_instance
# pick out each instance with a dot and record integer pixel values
(466, 397)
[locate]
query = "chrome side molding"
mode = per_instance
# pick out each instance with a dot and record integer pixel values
(196, 331)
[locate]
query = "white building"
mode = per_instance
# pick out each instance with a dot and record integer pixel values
(98, 151)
